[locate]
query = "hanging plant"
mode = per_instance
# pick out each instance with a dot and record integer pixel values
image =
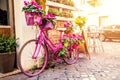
(33, 13)
(32, 7)
(53, 11)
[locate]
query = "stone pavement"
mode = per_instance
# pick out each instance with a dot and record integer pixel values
(102, 66)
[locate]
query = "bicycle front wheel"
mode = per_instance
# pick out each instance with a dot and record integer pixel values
(27, 64)
(72, 56)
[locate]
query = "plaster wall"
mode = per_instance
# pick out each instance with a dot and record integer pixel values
(22, 31)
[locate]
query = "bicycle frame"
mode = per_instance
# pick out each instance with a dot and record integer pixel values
(43, 38)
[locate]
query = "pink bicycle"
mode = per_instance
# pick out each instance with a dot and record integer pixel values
(36, 53)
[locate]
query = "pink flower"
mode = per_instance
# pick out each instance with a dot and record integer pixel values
(50, 15)
(67, 24)
(38, 7)
(26, 3)
(74, 36)
(80, 36)
(75, 46)
(33, 3)
(65, 35)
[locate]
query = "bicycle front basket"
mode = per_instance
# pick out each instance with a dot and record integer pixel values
(48, 25)
(33, 17)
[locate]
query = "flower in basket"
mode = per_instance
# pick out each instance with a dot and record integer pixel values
(62, 52)
(49, 21)
(32, 7)
(72, 40)
(33, 13)
(67, 24)
(69, 28)
(80, 21)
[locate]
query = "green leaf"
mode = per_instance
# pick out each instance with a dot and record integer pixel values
(7, 43)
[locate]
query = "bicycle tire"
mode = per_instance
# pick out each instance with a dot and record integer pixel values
(25, 55)
(72, 56)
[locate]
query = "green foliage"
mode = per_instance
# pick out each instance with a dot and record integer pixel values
(62, 52)
(7, 44)
(69, 41)
(32, 7)
(70, 2)
(53, 11)
(95, 3)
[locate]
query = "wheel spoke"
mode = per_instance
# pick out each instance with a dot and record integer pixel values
(28, 65)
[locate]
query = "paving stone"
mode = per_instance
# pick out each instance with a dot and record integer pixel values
(77, 78)
(113, 77)
(102, 75)
(71, 79)
(107, 71)
(92, 78)
(76, 74)
(85, 79)
(70, 75)
(102, 66)
(84, 75)
(90, 75)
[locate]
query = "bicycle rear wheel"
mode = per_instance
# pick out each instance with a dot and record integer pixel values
(27, 64)
(72, 56)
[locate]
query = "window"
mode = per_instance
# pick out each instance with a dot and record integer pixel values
(6, 17)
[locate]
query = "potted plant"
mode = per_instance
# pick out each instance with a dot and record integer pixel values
(7, 53)
(71, 3)
(54, 11)
(69, 27)
(72, 40)
(33, 12)
(80, 21)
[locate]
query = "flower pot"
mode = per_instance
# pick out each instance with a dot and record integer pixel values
(7, 62)
(33, 18)
(82, 48)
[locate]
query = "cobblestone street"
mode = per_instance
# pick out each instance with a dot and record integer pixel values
(102, 66)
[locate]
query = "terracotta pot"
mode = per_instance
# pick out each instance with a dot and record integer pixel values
(82, 48)
(7, 62)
